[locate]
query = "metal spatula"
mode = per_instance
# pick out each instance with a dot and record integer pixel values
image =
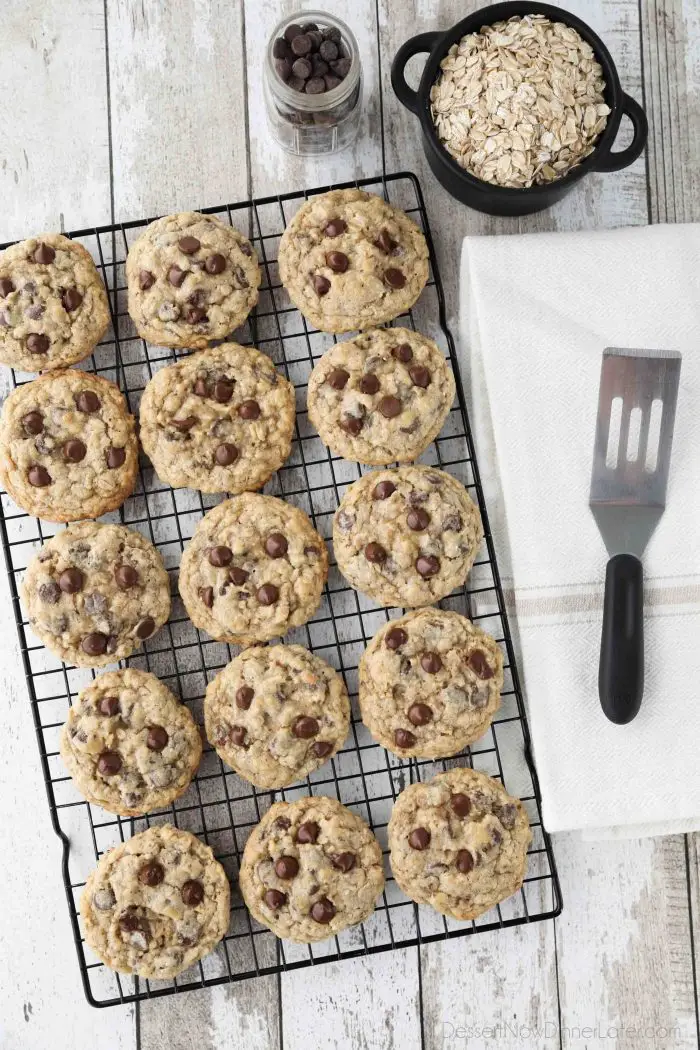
(634, 433)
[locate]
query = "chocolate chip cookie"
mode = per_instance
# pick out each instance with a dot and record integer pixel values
(430, 683)
(406, 536)
(254, 568)
(191, 278)
(68, 446)
(53, 304)
(351, 261)
(94, 593)
(382, 396)
(129, 745)
(276, 713)
(218, 421)
(156, 904)
(310, 869)
(459, 843)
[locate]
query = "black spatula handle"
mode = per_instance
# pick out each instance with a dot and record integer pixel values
(621, 672)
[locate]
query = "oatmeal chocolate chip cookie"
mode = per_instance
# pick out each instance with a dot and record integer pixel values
(406, 536)
(156, 904)
(191, 278)
(53, 305)
(68, 447)
(94, 593)
(310, 869)
(129, 745)
(218, 421)
(351, 261)
(382, 396)
(430, 683)
(254, 568)
(459, 843)
(277, 713)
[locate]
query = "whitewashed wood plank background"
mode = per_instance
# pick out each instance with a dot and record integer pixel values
(125, 108)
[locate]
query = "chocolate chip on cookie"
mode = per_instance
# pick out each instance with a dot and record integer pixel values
(395, 638)
(375, 553)
(71, 299)
(369, 384)
(418, 519)
(249, 409)
(244, 697)
(189, 245)
(308, 832)
(420, 714)
(480, 665)
(276, 545)
(386, 242)
(268, 594)
(44, 254)
(37, 343)
(151, 874)
(38, 476)
(87, 401)
(404, 738)
(337, 261)
(419, 838)
(427, 565)
(335, 227)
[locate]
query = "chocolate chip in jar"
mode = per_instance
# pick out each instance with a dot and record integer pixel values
(313, 85)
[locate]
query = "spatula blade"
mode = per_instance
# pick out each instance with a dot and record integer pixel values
(634, 428)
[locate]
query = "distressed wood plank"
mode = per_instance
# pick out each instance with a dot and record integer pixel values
(483, 983)
(54, 167)
(624, 945)
(177, 105)
(671, 48)
(361, 1004)
(53, 120)
(693, 861)
(372, 1001)
(179, 141)
(493, 989)
(468, 985)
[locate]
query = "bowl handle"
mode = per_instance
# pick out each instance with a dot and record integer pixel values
(406, 95)
(625, 157)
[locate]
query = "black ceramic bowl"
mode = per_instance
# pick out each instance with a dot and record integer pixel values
(503, 200)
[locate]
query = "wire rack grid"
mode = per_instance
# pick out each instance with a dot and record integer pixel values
(219, 806)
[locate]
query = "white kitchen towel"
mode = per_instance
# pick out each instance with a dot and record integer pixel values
(537, 311)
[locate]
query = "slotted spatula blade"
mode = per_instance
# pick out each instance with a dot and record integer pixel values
(631, 459)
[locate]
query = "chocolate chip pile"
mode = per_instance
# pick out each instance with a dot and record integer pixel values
(311, 60)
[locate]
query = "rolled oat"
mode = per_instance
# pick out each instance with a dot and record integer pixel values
(521, 102)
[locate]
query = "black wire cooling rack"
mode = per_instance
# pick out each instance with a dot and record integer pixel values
(219, 806)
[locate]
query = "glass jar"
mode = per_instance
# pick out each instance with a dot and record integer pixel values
(314, 124)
